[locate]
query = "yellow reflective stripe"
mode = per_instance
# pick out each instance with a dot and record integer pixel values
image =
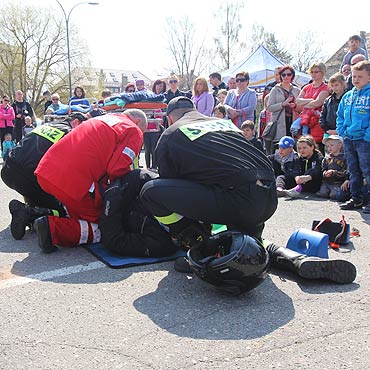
(50, 133)
(266, 243)
(168, 220)
(136, 162)
(55, 212)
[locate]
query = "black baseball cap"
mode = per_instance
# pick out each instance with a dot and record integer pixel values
(97, 112)
(78, 115)
(178, 103)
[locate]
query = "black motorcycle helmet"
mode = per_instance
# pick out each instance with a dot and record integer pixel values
(232, 261)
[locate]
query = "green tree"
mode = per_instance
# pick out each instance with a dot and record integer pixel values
(227, 39)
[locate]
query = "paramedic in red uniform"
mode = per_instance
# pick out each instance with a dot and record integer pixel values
(77, 169)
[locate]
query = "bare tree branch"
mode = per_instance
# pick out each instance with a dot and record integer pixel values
(188, 51)
(33, 52)
(227, 39)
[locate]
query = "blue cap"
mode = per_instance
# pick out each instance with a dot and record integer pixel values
(286, 142)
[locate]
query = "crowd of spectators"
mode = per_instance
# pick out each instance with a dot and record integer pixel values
(306, 122)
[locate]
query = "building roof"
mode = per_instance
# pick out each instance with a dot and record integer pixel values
(109, 78)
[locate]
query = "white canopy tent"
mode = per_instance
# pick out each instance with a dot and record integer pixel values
(261, 66)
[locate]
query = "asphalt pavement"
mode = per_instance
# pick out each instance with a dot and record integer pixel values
(67, 310)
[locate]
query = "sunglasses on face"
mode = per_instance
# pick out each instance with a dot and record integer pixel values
(56, 99)
(5, 100)
(286, 74)
(173, 81)
(130, 91)
(241, 79)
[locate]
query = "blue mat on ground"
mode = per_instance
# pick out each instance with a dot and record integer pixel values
(116, 261)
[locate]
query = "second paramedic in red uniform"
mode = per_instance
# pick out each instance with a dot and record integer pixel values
(77, 169)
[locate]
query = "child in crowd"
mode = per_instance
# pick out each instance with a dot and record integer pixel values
(249, 133)
(264, 118)
(310, 173)
(219, 111)
(8, 145)
(346, 71)
(221, 96)
(334, 168)
(328, 116)
(353, 125)
(28, 125)
(285, 162)
(354, 44)
(106, 94)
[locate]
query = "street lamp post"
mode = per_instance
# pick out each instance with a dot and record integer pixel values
(66, 17)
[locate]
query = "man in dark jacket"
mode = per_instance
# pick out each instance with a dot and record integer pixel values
(18, 174)
(47, 97)
(215, 81)
(209, 172)
(21, 109)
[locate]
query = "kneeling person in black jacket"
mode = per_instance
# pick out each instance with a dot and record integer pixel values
(126, 227)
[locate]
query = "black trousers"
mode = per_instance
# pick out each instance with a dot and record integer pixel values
(25, 183)
(126, 226)
(244, 208)
(18, 129)
(150, 142)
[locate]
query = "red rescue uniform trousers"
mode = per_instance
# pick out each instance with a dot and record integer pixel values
(81, 227)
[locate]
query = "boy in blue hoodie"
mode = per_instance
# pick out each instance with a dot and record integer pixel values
(353, 124)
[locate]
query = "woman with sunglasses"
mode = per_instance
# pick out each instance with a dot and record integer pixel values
(130, 88)
(7, 116)
(241, 102)
(173, 91)
(55, 102)
(282, 105)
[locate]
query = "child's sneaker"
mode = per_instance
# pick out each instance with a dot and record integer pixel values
(351, 204)
(292, 193)
(366, 209)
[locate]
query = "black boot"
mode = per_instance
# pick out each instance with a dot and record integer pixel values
(338, 271)
(20, 218)
(182, 265)
(41, 225)
(23, 216)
